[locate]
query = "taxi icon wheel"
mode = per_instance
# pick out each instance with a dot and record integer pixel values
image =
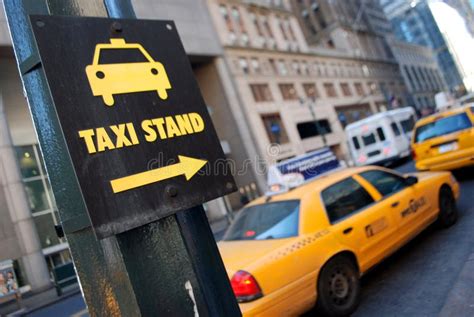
(163, 94)
(108, 100)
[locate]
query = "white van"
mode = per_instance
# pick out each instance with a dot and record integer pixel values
(382, 138)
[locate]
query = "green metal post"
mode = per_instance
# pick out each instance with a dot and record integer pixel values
(168, 268)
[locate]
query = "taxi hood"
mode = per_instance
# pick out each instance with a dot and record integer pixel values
(238, 255)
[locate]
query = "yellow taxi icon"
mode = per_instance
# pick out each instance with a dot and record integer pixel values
(109, 79)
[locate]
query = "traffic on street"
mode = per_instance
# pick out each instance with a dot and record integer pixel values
(416, 280)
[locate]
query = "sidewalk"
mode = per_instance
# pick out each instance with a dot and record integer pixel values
(460, 301)
(34, 301)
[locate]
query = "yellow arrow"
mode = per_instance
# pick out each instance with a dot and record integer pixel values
(187, 166)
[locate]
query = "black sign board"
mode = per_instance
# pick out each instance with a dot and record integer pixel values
(141, 140)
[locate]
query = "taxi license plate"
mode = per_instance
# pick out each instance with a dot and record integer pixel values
(448, 147)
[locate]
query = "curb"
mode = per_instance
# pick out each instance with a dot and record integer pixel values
(460, 300)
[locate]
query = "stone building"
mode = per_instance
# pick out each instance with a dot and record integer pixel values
(278, 75)
(420, 71)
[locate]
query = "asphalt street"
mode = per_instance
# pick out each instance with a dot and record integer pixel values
(73, 306)
(415, 281)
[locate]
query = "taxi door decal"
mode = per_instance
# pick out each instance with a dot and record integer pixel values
(414, 206)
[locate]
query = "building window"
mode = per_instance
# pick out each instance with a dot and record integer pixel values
(359, 89)
(261, 92)
(226, 17)
(256, 24)
(373, 88)
(318, 14)
(296, 67)
(39, 193)
(304, 68)
(244, 65)
(282, 29)
(346, 91)
(330, 90)
(267, 27)
(273, 66)
(46, 231)
(311, 129)
(310, 90)
(274, 127)
(282, 70)
(288, 92)
(256, 65)
(290, 31)
(238, 19)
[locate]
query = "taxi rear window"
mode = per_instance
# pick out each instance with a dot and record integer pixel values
(443, 126)
(275, 220)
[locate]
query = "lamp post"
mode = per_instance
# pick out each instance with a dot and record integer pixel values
(310, 103)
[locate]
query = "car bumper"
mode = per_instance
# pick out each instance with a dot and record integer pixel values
(287, 301)
(447, 162)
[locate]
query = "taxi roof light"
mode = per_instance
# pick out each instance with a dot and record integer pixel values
(245, 287)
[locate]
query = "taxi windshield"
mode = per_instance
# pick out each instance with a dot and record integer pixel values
(443, 126)
(117, 56)
(276, 220)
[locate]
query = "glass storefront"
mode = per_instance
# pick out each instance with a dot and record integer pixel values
(42, 204)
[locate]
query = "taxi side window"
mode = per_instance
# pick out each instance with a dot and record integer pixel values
(345, 198)
(385, 183)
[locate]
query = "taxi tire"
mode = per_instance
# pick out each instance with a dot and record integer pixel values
(448, 213)
(338, 267)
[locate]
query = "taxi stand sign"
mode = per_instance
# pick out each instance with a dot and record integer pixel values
(137, 129)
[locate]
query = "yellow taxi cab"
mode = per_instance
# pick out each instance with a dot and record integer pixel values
(309, 246)
(108, 79)
(444, 141)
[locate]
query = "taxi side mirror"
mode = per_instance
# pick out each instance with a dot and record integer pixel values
(411, 180)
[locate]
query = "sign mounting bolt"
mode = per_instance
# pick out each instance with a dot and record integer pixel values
(171, 191)
(117, 27)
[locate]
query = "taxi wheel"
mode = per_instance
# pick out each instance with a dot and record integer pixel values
(448, 213)
(338, 287)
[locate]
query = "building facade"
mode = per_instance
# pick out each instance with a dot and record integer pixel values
(420, 71)
(414, 22)
(278, 75)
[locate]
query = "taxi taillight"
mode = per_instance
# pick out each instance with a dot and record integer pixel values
(413, 154)
(245, 287)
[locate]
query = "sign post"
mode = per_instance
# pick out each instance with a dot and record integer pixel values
(129, 149)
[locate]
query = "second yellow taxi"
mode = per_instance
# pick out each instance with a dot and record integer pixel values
(444, 141)
(309, 246)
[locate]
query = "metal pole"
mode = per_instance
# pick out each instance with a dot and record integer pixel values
(316, 122)
(168, 268)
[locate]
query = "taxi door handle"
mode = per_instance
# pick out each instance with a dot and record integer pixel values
(347, 230)
(395, 204)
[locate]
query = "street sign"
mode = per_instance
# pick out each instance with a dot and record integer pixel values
(137, 129)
